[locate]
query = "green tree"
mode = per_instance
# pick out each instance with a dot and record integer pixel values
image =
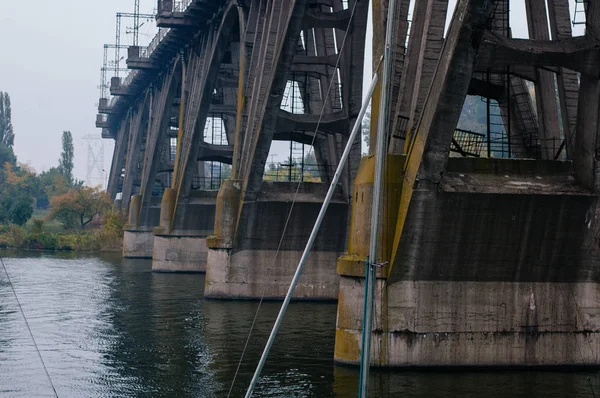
(6, 156)
(79, 206)
(21, 209)
(16, 193)
(7, 136)
(65, 163)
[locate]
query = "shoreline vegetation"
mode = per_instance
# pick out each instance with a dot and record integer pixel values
(105, 234)
(51, 210)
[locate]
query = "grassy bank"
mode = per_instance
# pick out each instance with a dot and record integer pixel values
(37, 234)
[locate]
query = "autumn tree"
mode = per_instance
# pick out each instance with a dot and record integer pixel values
(79, 206)
(7, 136)
(65, 163)
(52, 184)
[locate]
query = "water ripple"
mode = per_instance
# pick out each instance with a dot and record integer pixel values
(108, 327)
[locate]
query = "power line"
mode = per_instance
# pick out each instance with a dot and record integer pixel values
(95, 161)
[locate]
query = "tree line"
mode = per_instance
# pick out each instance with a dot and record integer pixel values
(22, 189)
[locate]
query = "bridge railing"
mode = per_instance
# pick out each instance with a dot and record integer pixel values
(162, 32)
(467, 143)
(129, 78)
(296, 171)
(539, 147)
(207, 183)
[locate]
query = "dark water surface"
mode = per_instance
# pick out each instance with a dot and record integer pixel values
(108, 327)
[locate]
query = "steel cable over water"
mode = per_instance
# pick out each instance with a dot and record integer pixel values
(28, 328)
(312, 238)
(326, 98)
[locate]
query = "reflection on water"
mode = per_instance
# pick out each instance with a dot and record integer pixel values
(109, 327)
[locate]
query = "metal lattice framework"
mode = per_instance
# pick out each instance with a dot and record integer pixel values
(95, 174)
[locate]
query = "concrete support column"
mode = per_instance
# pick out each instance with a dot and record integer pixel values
(180, 243)
(118, 160)
(226, 215)
(545, 92)
(117, 205)
(137, 242)
(135, 205)
(587, 131)
(353, 262)
(423, 170)
(426, 41)
(568, 83)
(247, 257)
(167, 207)
(177, 253)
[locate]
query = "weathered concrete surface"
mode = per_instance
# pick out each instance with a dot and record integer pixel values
(138, 238)
(469, 323)
(246, 267)
(498, 266)
(252, 274)
(138, 243)
(182, 247)
(179, 254)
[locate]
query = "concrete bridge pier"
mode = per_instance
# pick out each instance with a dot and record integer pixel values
(138, 239)
(262, 226)
(490, 261)
(181, 247)
(246, 264)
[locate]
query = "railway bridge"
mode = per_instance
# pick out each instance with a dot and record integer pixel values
(489, 224)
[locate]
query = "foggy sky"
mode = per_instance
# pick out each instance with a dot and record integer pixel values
(50, 62)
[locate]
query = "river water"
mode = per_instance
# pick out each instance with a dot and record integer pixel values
(108, 327)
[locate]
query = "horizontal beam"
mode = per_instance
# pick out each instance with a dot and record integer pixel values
(581, 54)
(332, 123)
(329, 60)
(327, 20)
(216, 153)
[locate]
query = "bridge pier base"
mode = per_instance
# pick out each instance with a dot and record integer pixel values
(179, 254)
(138, 243)
(246, 267)
(180, 245)
(138, 238)
(480, 324)
(495, 267)
(247, 274)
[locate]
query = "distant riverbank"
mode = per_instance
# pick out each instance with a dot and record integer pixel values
(38, 235)
(95, 240)
(98, 240)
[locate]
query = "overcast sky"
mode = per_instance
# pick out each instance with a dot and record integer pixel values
(50, 65)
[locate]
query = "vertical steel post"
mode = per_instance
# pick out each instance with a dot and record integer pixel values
(312, 237)
(377, 194)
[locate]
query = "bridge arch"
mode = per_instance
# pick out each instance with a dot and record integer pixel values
(202, 81)
(168, 88)
(137, 129)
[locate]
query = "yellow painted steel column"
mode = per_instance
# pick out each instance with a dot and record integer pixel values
(176, 170)
(240, 102)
